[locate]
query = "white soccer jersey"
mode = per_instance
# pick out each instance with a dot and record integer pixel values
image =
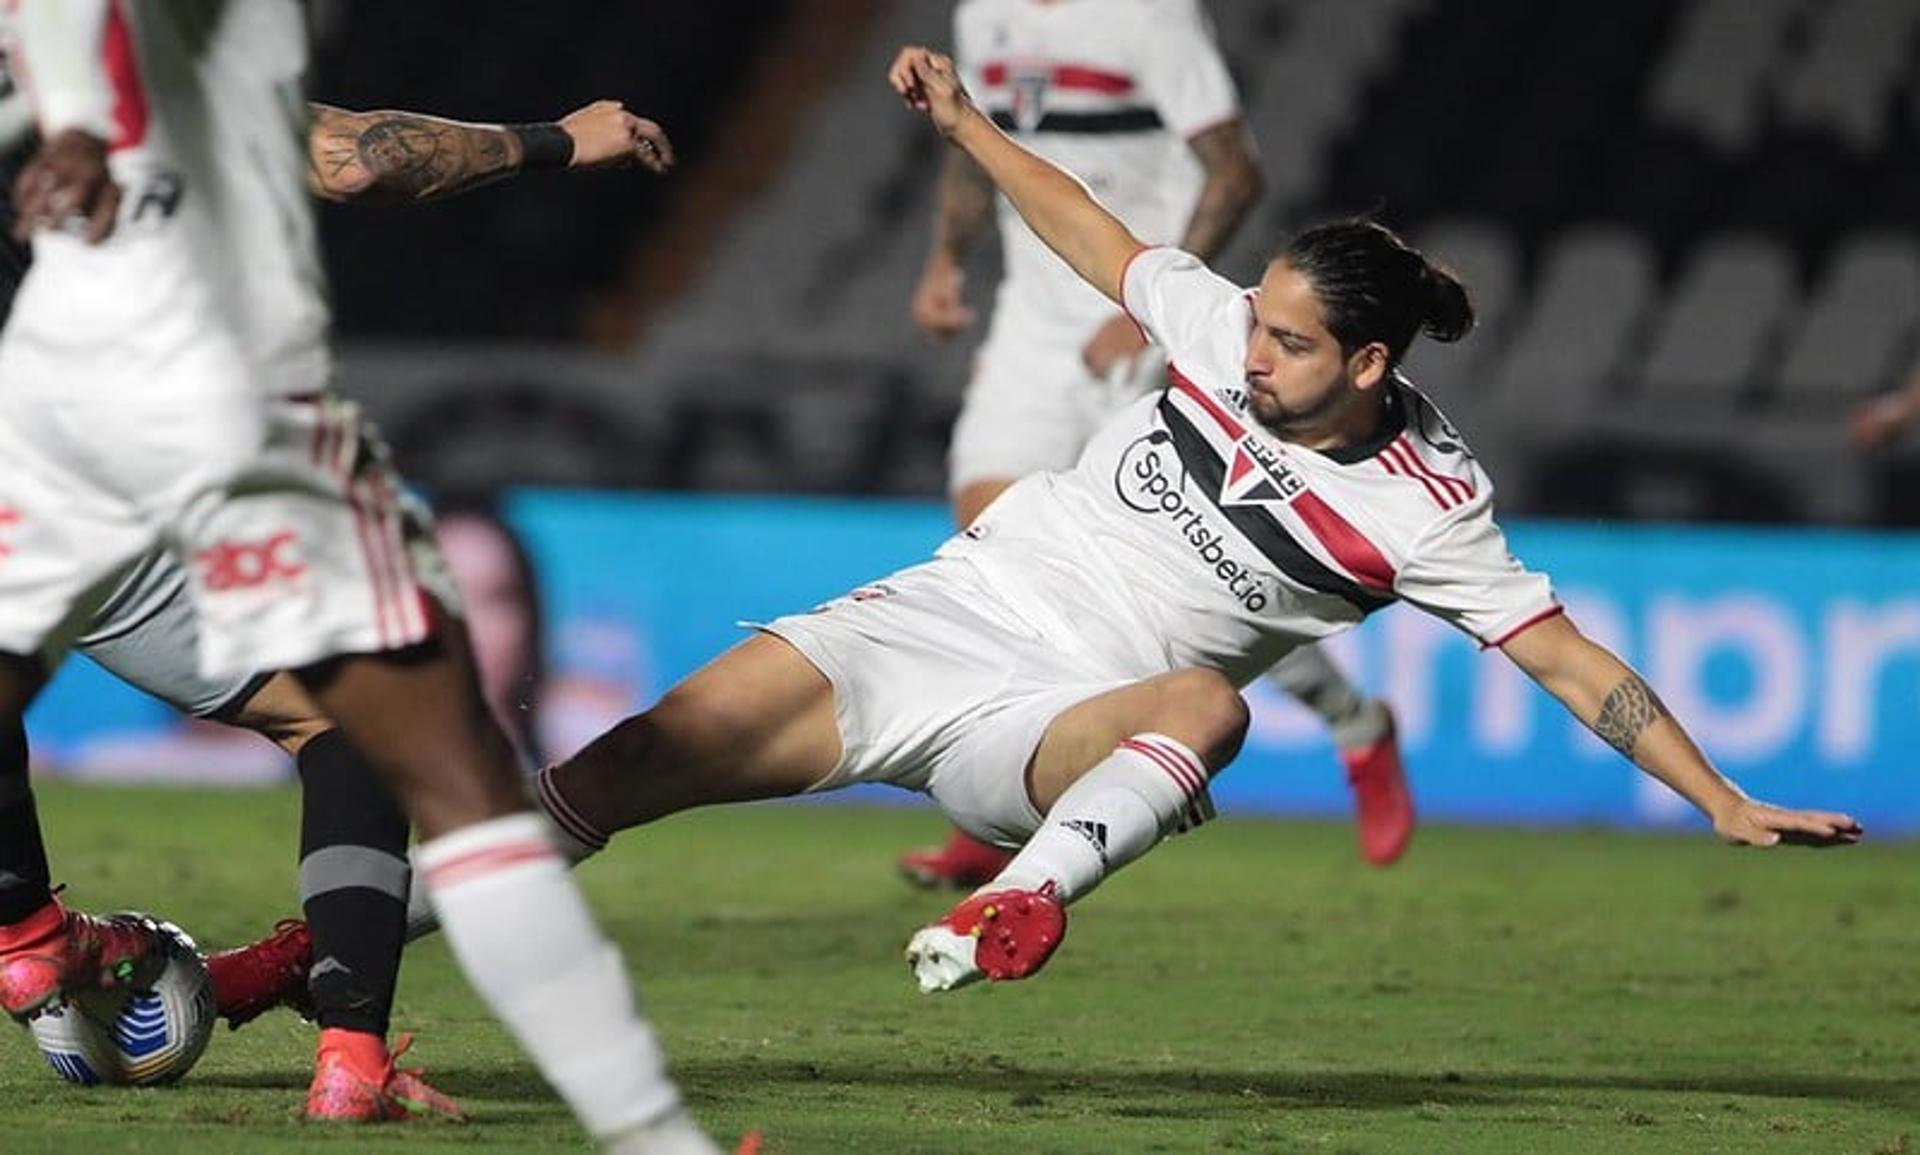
(1111, 91)
(1187, 535)
(203, 109)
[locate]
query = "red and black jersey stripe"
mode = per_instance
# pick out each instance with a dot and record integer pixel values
(1208, 474)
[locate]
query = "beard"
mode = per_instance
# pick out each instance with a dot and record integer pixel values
(1281, 419)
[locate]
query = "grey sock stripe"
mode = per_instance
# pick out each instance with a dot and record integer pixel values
(348, 867)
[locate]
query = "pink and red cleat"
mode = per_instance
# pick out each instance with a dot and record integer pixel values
(55, 952)
(355, 1080)
(1383, 807)
(1001, 935)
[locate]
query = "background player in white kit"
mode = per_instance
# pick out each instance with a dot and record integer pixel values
(1065, 672)
(163, 375)
(1133, 97)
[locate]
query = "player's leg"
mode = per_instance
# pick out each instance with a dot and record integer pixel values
(59, 541)
(353, 835)
(1113, 776)
(325, 561)
(962, 860)
(1362, 730)
(756, 722)
(27, 910)
(512, 916)
(1027, 409)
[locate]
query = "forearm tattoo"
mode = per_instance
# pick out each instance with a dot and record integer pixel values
(1626, 714)
(1228, 194)
(966, 203)
(402, 156)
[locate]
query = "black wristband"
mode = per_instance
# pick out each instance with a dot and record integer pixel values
(543, 145)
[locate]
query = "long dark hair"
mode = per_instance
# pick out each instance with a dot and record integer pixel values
(1374, 286)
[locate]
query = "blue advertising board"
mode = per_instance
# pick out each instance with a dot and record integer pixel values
(1793, 655)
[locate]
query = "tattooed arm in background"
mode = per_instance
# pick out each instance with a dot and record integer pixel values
(960, 215)
(408, 156)
(1232, 187)
(1623, 710)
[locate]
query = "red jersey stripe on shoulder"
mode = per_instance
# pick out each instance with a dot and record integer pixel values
(1453, 485)
(1391, 460)
(1546, 615)
(1349, 546)
(1184, 384)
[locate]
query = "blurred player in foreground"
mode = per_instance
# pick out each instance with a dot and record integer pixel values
(1065, 672)
(1128, 96)
(165, 368)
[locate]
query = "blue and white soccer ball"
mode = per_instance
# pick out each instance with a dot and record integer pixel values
(149, 1031)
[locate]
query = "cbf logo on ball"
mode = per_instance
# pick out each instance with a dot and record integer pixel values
(1151, 479)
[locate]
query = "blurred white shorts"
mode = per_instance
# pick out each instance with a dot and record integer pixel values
(1033, 404)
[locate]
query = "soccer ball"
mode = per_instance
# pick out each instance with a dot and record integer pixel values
(148, 1031)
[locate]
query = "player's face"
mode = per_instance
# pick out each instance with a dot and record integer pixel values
(1296, 371)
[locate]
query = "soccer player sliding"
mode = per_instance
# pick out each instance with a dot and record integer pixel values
(1064, 675)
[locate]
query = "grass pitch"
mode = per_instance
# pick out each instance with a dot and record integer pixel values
(1254, 988)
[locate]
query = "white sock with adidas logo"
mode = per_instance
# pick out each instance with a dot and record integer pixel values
(1149, 787)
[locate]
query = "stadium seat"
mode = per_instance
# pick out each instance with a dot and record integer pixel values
(1593, 292)
(1713, 78)
(1860, 325)
(1846, 80)
(1713, 337)
(1485, 258)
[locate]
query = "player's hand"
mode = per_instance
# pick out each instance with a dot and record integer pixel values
(927, 81)
(606, 135)
(939, 302)
(1876, 422)
(1751, 823)
(67, 186)
(1116, 341)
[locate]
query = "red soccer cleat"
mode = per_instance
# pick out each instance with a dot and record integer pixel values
(1000, 935)
(55, 952)
(1383, 807)
(964, 862)
(250, 980)
(348, 1089)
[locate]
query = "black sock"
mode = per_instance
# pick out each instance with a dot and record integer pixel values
(353, 884)
(25, 882)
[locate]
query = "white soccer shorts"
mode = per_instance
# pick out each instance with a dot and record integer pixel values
(939, 687)
(1032, 404)
(285, 514)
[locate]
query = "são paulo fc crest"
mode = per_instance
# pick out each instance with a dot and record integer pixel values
(1027, 83)
(1259, 475)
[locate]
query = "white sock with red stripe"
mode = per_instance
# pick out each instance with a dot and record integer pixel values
(524, 937)
(1149, 787)
(575, 838)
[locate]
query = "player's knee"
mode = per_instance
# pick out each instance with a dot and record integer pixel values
(1208, 713)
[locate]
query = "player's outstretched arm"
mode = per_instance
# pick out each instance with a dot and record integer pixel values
(1055, 206)
(409, 156)
(1615, 703)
